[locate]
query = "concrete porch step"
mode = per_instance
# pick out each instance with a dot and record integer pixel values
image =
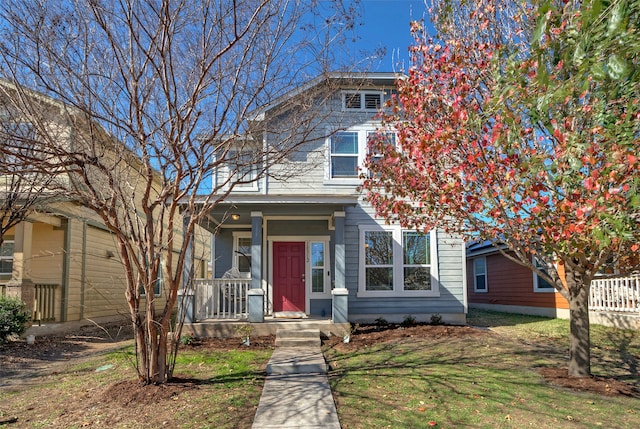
(298, 338)
(296, 360)
(227, 328)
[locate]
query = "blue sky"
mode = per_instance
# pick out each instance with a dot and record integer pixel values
(386, 23)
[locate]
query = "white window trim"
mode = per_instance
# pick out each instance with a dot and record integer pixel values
(235, 264)
(224, 172)
(363, 149)
(8, 258)
(327, 270)
(363, 94)
(475, 275)
(536, 288)
(398, 266)
(159, 284)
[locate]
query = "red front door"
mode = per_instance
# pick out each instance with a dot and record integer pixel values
(288, 276)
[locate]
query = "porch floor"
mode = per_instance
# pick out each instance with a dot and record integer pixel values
(226, 328)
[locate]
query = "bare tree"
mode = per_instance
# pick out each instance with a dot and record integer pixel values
(158, 95)
(22, 190)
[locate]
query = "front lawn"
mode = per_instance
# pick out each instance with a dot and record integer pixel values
(462, 377)
(215, 386)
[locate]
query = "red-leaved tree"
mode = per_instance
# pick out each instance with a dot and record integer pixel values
(533, 146)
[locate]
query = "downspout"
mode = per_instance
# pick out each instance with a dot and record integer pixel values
(212, 255)
(464, 278)
(265, 160)
(66, 263)
(83, 268)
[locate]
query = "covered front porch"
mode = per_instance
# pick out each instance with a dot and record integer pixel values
(615, 301)
(281, 264)
(228, 328)
(221, 307)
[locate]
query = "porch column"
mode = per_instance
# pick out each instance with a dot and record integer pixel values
(20, 285)
(256, 294)
(340, 294)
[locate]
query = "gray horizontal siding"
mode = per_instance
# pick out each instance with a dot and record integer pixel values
(298, 227)
(303, 172)
(450, 267)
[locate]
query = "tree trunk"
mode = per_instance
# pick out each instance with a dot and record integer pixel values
(579, 335)
(141, 346)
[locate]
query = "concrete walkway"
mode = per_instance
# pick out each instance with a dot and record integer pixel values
(296, 393)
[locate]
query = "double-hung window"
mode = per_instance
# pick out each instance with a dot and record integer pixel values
(348, 150)
(378, 260)
(396, 262)
(240, 164)
(157, 287)
(6, 257)
(387, 138)
(243, 169)
(416, 250)
(345, 155)
(540, 284)
(20, 141)
(480, 274)
(242, 253)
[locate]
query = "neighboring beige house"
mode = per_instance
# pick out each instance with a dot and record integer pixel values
(64, 263)
(72, 262)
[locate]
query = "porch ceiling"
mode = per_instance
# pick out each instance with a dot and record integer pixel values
(277, 206)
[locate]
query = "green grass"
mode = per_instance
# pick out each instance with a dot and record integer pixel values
(614, 352)
(485, 380)
(225, 393)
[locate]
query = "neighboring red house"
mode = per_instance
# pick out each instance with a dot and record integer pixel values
(497, 283)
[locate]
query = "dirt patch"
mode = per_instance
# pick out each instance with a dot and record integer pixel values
(225, 344)
(21, 361)
(603, 386)
(370, 335)
(127, 392)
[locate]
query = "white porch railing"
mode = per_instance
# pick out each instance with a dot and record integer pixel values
(221, 298)
(620, 294)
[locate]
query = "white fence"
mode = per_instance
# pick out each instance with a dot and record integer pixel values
(221, 298)
(620, 294)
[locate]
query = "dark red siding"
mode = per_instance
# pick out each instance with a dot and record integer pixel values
(509, 283)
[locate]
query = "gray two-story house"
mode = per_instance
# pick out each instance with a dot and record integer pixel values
(301, 241)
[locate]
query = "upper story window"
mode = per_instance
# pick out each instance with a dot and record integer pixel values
(386, 137)
(347, 152)
(19, 138)
(345, 155)
(396, 262)
(240, 166)
(362, 100)
(6, 257)
(243, 166)
(19, 134)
